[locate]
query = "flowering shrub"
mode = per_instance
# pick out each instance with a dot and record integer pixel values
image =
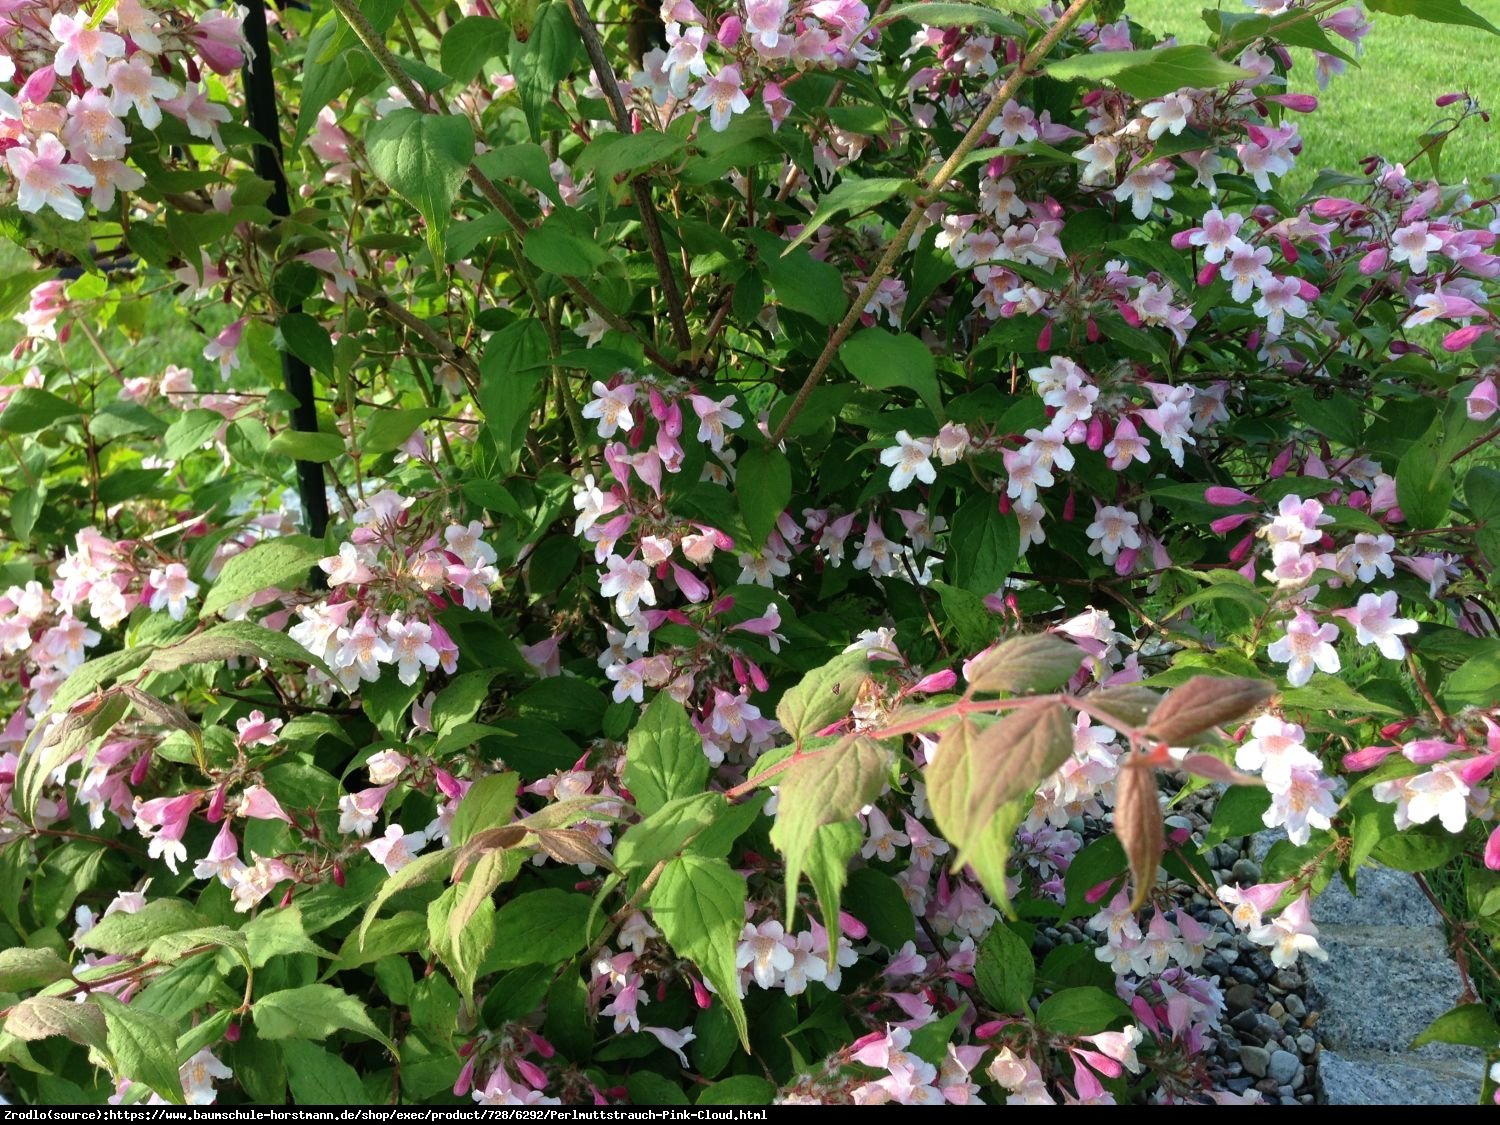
(811, 485)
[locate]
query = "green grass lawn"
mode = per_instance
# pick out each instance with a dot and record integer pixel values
(1387, 102)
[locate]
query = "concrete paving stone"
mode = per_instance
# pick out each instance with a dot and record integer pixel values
(1386, 898)
(1370, 1079)
(1381, 986)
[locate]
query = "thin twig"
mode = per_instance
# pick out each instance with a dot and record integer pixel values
(950, 167)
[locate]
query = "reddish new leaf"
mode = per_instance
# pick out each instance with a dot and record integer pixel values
(1138, 824)
(1023, 665)
(1205, 702)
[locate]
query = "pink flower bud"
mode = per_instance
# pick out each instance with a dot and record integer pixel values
(757, 677)
(139, 770)
(1070, 507)
(1241, 549)
(1097, 892)
(1425, 751)
(1288, 251)
(1044, 338)
(1297, 103)
(989, 1029)
(729, 31)
(936, 681)
(232, 1033)
(1368, 758)
(701, 996)
(338, 875)
(1461, 338)
(1332, 207)
(216, 805)
(1308, 290)
(1477, 769)
(1091, 330)
(1283, 460)
(1225, 524)
(852, 926)
(1373, 262)
(1222, 496)
(1094, 436)
(540, 1045)
(1448, 99)
(1492, 851)
(533, 1074)
(465, 1081)
(1184, 238)
(449, 785)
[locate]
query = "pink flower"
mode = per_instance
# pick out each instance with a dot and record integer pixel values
(1483, 400)
(396, 848)
(89, 49)
(44, 180)
(1375, 623)
(722, 96)
(1305, 646)
(257, 730)
(220, 41)
(223, 859)
(258, 803)
(163, 821)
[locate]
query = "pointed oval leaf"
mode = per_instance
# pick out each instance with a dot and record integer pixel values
(1020, 665)
(1205, 702)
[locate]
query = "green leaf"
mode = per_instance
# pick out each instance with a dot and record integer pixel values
(819, 788)
(41, 1017)
(424, 158)
(488, 804)
(30, 409)
(1238, 813)
(1151, 74)
(648, 1088)
(1080, 1011)
(1434, 11)
(228, 640)
(308, 340)
(387, 430)
(742, 1089)
(462, 933)
(282, 563)
(827, 867)
(319, 1077)
(669, 830)
(123, 933)
(557, 247)
(1005, 971)
(192, 431)
(883, 360)
(1470, 1025)
(423, 869)
(610, 154)
(945, 13)
(22, 969)
(664, 756)
(699, 906)
(984, 544)
(1424, 485)
(144, 1047)
(852, 196)
(469, 44)
(802, 283)
(1418, 849)
(301, 445)
(544, 927)
(314, 1011)
(543, 61)
(277, 933)
(1476, 683)
(763, 486)
(878, 901)
(824, 695)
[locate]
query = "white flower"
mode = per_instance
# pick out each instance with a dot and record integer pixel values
(1305, 646)
(1376, 623)
(763, 951)
(171, 587)
(396, 848)
(629, 583)
(911, 459)
(1113, 529)
(611, 406)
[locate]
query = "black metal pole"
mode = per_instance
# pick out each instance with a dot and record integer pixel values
(260, 94)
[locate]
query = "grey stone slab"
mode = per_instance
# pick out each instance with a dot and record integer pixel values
(1380, 986)
(1386, 898)
(1394, 1080)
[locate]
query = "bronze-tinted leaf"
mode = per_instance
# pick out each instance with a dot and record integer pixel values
(980, 772)
(1138, 824)
(1205, 702)
(1131, 704)
(487, 840)
(1022, 665)
(1216, 769)
(573, 846)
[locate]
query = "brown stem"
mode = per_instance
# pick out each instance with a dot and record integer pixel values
(897, 245)
(640, 186)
